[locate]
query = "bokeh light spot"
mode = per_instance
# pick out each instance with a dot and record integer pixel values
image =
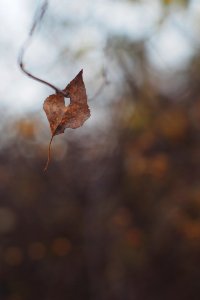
(13, 256)
(61, 246)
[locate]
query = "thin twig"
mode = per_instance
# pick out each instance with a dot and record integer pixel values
(38, 17)
(41, 80)
(102, 86)
(37, 20)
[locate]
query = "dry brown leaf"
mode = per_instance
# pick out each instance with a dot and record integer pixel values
(54, 107)
(74, 115)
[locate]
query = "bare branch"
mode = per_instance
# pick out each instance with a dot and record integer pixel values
(104, 83)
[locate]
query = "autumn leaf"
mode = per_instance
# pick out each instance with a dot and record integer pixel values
(73, 116)
(54, 107)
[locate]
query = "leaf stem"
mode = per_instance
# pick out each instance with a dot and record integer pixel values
(49, 155)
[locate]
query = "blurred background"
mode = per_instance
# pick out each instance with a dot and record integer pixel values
(117, 214)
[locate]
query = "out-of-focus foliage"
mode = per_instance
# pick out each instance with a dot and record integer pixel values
(181, 2)
(117, 215)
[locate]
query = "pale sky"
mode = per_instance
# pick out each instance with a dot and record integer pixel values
(98, 18)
